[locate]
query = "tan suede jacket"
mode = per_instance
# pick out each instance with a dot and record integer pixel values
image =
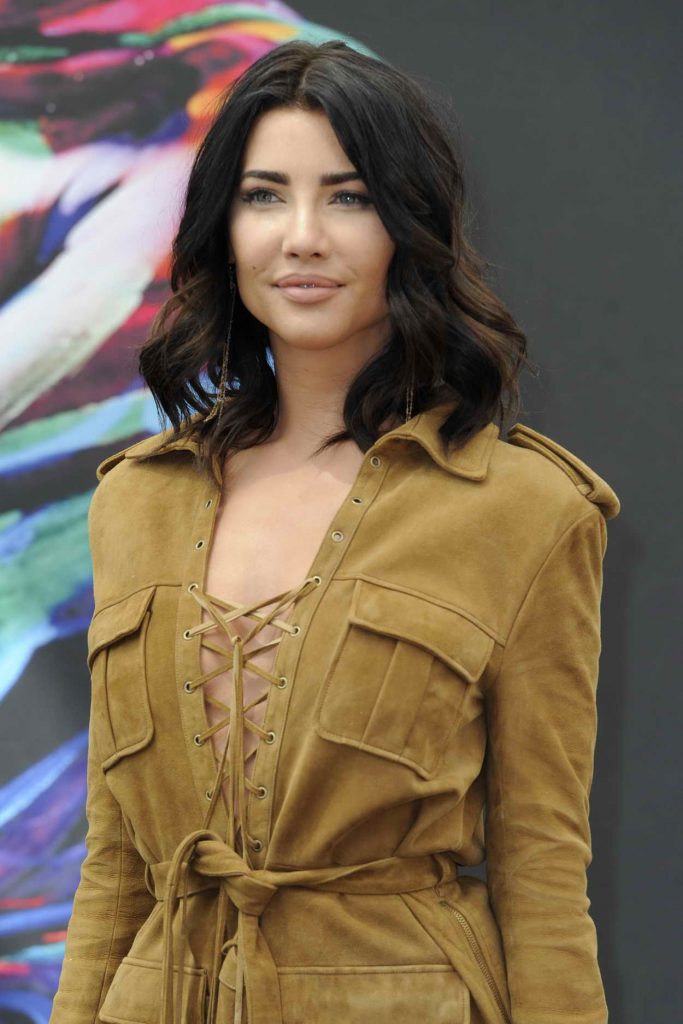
(432, 704)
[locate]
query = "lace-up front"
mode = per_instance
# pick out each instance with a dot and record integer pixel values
(229, 858)
(238, 658)
(203, 855)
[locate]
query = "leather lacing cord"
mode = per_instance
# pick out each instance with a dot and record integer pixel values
(237, 658)
(233, 751)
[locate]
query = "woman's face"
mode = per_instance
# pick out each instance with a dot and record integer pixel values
(300, 225)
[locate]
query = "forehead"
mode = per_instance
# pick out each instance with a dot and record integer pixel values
(291, 137)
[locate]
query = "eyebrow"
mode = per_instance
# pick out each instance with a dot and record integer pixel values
(335, 178)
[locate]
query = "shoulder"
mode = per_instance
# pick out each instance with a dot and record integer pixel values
(118, 492)
(146, 493)
(132, 483)
(541, 471)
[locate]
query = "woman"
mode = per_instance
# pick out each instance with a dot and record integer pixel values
(275, 831)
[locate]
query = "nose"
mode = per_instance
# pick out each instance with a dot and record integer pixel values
(305, 232)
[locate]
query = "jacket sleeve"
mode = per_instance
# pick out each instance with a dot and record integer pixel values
(542, 727)
(110, 904)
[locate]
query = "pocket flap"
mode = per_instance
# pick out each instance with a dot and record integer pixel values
(386, 994)
(134, 996)
(117, 620)
(394, 994)
(442, 630)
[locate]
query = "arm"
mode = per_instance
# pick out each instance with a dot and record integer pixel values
(111, 903)
(542, 725)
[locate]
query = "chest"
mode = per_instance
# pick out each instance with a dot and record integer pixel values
(267, 530)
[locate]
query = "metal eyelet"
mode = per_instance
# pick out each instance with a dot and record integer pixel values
(256, 844)
(282, 682)
(199, 544)
(193, 586)
(186, 635)
(356, 501)
(270, 737)
(209, 503)
(188, 687)
(208, 794)
(262, 792)
(318, 579)
(337, 535)
(375, 461)
(199, 742)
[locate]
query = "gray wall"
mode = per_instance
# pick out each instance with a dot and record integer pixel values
(569, 114)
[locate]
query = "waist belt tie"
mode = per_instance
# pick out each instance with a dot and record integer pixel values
(203, 853)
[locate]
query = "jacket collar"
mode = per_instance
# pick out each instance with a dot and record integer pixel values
(471, 460)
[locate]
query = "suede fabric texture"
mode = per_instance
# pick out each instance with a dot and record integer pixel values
(438, 709)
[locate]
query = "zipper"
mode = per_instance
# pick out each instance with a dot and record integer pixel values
(479, 957)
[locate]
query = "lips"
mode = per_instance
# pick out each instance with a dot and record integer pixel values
(307, 281)
(310, 292)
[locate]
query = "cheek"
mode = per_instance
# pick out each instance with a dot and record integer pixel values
(372, 270)
(249, 244)
(376, 251)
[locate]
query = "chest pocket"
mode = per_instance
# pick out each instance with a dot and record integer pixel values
(122, 719)
(399, 676)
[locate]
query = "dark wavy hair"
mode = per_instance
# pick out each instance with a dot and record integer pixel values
(449, 331)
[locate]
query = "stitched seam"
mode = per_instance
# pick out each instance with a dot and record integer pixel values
(344, 971)
(569, 1014)
(406, 903)
(109, 956)
(94, 959)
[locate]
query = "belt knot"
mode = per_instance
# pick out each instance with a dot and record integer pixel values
(203, 859)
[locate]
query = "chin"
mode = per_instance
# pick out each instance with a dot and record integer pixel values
(311, 341)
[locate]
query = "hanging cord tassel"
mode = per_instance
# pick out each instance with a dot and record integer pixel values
(217, 406)
(181, 973)
(236, 746)
(239, 990)
(176, 888)
(221, 919)
(234, 749)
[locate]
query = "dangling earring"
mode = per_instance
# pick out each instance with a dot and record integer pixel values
(410, 391)
(217, 407)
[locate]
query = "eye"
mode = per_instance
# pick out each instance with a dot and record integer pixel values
(363, 200)
(250, 197)
(253, 197)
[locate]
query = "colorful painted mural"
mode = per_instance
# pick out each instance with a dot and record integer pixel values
(101, 108)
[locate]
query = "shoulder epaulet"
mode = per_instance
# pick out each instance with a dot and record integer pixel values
(588, 482)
